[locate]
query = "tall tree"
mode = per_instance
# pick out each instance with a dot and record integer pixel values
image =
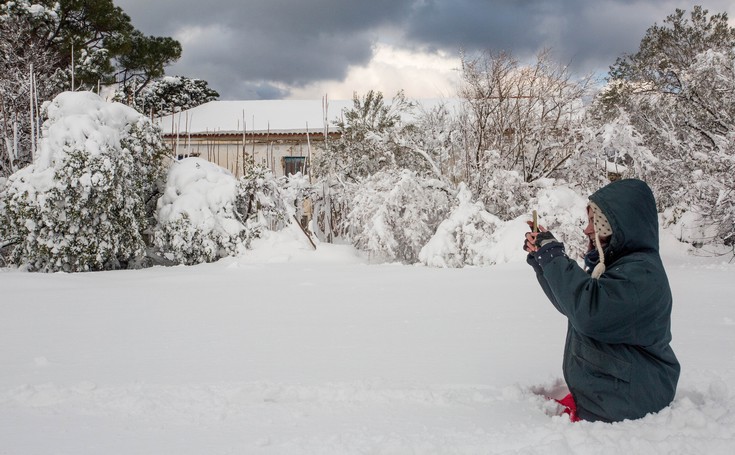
(678, 91)
(525, 116)
(71, 44)
(25, 55)
(144, 59)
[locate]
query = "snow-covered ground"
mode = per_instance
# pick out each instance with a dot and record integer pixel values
(291, 351)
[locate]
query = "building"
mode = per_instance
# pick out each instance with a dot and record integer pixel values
(283, 135)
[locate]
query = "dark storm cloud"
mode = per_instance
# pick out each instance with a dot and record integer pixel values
(267, 44)
(473, 24)
(260, 48)
(587, 34)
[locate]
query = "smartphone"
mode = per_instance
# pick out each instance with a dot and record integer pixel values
(535, 221)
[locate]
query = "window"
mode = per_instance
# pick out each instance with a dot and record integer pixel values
(294, 164)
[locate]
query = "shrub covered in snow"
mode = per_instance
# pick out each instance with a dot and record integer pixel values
(196, 214)
(562, 211)
(394, 214)
(331, 201)
(81, 205)
(464, 238)
(472, 236)
(261, 198)
(504, 193)
(206, 213)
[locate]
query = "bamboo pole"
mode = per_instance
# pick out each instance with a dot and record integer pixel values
(33, 120)
(243, 142)
(269, 148)
(308, 148)
(190, 121)
(38, 110)
(173, 132)
(72, 66)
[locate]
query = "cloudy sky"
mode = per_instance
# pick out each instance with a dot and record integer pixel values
(304, 49)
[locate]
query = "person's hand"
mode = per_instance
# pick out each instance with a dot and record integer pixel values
(542, 248)
(534, 239)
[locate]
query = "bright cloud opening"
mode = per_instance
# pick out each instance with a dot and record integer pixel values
(420, 74)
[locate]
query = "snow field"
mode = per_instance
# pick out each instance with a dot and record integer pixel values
(289, 351)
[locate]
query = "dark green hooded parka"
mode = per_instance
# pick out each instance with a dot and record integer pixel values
(618, 363)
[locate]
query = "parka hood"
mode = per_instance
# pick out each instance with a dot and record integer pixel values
(630, 207)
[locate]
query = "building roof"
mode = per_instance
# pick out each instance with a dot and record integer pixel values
(262, 117)
(258, 116)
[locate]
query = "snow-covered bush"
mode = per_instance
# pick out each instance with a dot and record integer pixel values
(331, 201)
(297, 193)
(197, 221)
(504, 194)
(394, 214)
(464, 238)
(206, 213)
(261, 198)
(472, 236)
(81, 205)
(562, 211)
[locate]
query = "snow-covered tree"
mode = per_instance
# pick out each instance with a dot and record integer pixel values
(505, 193)
(435, 141)
(49, 46)
(371, 139)
(170, 94)
(84, 202)
(678, 91)
(563, 211)
(530, 115)
(331, 201)
(26, 67)
(613, 149)
(394, 214)
(261, 197)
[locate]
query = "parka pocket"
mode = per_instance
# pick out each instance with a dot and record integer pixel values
(598, 364)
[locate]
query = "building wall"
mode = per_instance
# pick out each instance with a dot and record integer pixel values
(228, 151)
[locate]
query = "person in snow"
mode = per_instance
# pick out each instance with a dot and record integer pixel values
(618, 363)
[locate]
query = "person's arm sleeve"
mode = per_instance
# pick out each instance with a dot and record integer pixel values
(606, 308)
(542, 281)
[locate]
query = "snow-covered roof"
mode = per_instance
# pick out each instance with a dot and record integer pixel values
(261, 116)
(276, 116)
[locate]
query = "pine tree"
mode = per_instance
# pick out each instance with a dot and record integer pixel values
(49, 46)
(171, 94)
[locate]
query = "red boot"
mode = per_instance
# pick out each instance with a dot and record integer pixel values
(570, 407)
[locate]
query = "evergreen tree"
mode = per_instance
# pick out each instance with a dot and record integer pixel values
(24, 34)
(85, 202)
(47, 36)
(172, 94)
